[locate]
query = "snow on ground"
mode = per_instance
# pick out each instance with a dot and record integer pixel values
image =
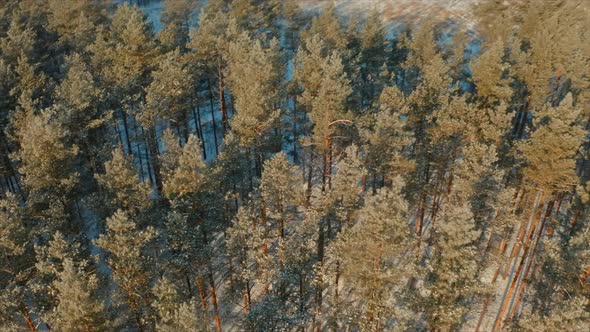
(394, 9)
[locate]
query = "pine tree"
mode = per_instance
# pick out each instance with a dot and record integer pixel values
(46, 163)
(210, 41)
(254, 77)
(372, 264)
(19, 42)
(78, 307)
(450, 283)
(256, 16)
(76, 23)
(14, 237)
(371, 59)
(187, 177)
(50, 258)
(572, 316)
(549, 153)
(248, 251)
(168, 95)
(167, 98)
(328, 26)
(78, 96)
(187, 254)
(130, 53)
(177, 17)
(324, 95)
(174, 314)
(281, 189)
(387, 138)
(346, 192)
(131, 263)
(80, 101)
(16, 259)
(489, 74)
(123, 189)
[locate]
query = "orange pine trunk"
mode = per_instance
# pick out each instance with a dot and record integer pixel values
(508, 297)
(202, 294)
(214, 300)
(27, 318)
(531, 260)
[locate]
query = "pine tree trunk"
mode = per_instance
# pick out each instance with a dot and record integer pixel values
(27, 317)
(574, 222)
(325, 162)
(224, 120)
(185, 123)
(295, 136)
(532, 255)
(199, 128)
(213, 122)
(138, 148)
(508, 298)
(420, 222)
(503, 246)
(202, 294)
(211, 279)
(301, 294)
(119, 137)
(329, 164)
(126, 128)
(214, 300)
(319, 288)
(153, 145)
(147, 157)
(309, 178)
(246, 305)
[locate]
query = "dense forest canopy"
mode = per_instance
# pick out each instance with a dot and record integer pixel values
(254, 165)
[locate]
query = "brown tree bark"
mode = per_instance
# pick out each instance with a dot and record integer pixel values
(27, 317)
(202, 294)
(154, 156)
(224, 118)
(214, 300)
(213, 122)
(532, 255)
(508, 297)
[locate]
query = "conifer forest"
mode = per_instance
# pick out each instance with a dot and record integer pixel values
(294, 165)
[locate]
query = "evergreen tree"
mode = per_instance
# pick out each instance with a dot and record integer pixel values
(248, 250)
(78, 307)
(46, 163)
(210, 41)
(123, 189)
(450, 283)
(254, 77)
(256, 16)
(281, 189)
(572, 316)
(324, 95)
(131, 265)
(129, 55)
(557, 136)
(373, 267)
(174, 313)
(177, 18)
(17, 260)
(187, 177)
(76, 23)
